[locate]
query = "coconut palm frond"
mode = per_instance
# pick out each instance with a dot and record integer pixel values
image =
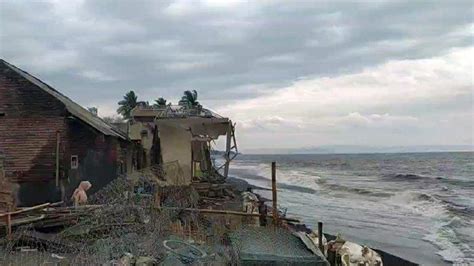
(190, 97)
(160, 102)
(127, 104)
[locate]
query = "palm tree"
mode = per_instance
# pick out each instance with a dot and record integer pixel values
(160, 102)
(127, 104)
(189, 99)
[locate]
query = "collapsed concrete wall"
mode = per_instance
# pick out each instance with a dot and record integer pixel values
(176, 148)
(178, 140)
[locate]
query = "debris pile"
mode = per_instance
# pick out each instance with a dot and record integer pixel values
(141, 220)
(215, 191)
(126, 222)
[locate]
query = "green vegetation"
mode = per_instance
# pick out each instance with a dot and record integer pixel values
(127, 104)
(160, 102)
(130, 101)
(189, 99)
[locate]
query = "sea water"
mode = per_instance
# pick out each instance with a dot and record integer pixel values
(419, 206)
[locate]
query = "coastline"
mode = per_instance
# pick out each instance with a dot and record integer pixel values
(416, 206)
(388, 258)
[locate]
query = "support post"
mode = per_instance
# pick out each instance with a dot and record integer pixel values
(58, 139)
(274, 195)
(8, 219)
(320, 237)
(227, 150)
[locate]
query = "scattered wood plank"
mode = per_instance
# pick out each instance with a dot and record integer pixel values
(41, 206)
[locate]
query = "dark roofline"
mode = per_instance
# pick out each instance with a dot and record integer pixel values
(72, 107)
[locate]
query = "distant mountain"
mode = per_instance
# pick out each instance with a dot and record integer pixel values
(332, 149)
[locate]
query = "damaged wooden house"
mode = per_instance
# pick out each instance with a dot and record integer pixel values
(179, 139)
(49, 143)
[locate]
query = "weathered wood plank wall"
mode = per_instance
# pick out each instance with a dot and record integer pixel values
(29, 121)
(28, 128)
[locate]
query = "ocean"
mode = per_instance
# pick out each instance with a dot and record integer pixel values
(419, 206)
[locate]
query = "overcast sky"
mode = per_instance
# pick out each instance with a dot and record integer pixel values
(290, 74)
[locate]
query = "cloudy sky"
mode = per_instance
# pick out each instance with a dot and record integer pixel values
(290, 74)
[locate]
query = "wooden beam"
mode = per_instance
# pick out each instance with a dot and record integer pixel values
(8, 217)
(233, 138)
(227, 149)
(41, 206)
(320, 237)
(274, 195)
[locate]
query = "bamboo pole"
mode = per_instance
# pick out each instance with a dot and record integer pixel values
(274, 195)
(26, 209)
(8, 217)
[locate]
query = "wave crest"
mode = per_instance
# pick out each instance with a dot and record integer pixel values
(355, 190)
(409, 177)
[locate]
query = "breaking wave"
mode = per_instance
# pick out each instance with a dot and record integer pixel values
(355, 190)
(287, 179)
(297, 188)
(450, 207)
(426, 196)
(457, 209)
(428, 204)
(451, 247)
(448, 215)
(427, 179)
(410, 177)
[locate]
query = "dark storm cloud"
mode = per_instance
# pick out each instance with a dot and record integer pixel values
(103, 48)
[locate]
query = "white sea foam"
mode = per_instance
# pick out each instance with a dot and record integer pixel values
(445, 238)
(419, 203)
(439, 233)
(299, 178)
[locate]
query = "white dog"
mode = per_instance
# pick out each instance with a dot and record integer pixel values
(353, 254)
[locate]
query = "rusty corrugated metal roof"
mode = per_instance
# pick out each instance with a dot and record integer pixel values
(74, 108)
(172, 111)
